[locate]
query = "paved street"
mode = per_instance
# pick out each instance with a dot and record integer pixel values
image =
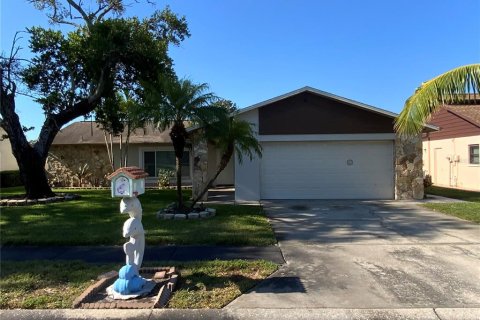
(369, 254)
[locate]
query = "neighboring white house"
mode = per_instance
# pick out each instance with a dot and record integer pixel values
(7, 160)
(451, 155)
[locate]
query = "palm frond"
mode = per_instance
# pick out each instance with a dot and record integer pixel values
(455, 86)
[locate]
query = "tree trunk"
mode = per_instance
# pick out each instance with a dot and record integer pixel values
(31, 161)
(178, 134)
(227, 155)
(178, 167)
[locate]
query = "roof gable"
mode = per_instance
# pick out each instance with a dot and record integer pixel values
(324, 94)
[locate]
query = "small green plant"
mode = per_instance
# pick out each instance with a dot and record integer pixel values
(164, 176)
(427, 181)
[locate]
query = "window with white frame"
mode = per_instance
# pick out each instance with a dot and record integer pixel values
(153, 161)
(473, 154)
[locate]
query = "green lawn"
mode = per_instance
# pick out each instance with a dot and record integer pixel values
(50, 285)
(95, 220)
(469, 210)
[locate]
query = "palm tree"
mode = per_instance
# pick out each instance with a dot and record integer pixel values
(454, 86)
(172, 102)
(229, 136)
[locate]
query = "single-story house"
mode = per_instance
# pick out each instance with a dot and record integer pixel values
(451, 155)
(79, 152)
(316, 145)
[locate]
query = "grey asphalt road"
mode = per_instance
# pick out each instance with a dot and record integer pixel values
(369, 254)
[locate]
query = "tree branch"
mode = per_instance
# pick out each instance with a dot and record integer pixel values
(82, 13)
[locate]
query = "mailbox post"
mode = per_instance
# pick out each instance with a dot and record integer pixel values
(128, 183)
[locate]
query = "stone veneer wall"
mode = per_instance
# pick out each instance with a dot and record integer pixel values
(64, 166)
(200, 164)
(408, 168)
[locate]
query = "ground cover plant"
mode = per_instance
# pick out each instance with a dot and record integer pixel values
(56, 284)
(469, 210)
(95, 220)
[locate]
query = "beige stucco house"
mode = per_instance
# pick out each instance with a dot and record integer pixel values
(79, 152)
(7, 160)
(451, 155)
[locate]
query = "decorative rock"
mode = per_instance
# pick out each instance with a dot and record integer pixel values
(31, 202)
(204, 214)
(418, 188)
(168, 216)
(193, 215)
(408, 168)
(180, 216)
(211, 210)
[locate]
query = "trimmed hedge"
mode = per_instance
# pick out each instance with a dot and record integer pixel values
(10, 179)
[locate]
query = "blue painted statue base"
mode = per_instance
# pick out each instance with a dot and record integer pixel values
(130, 284)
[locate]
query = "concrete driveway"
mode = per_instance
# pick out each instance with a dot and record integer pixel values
(369, 254)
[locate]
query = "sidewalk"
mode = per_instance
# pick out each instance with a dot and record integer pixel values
(241, 314)
(152, 253)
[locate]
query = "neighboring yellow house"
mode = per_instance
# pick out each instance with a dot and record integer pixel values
(7, 160)
(451, 155)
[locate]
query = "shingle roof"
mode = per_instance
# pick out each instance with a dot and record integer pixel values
(132, 172)
(471, 113)
(86, 132)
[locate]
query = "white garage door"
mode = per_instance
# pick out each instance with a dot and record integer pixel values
(327, 170)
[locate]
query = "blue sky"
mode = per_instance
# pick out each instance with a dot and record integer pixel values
(375, 52)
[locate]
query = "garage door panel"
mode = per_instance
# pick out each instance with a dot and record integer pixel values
(321, 170)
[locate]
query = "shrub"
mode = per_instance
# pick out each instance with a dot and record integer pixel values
(10, 179)
(427, 181)
(164, 176)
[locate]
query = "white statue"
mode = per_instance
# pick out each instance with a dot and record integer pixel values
(133, 228)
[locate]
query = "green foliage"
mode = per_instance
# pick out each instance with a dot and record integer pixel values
(110, 56)
(172, 102)
(233, 133)
(455, 86)
(164, 176)
(10, 179)
(427, 181)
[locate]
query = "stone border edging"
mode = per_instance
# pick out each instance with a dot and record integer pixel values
(169, 215)
(12, 202)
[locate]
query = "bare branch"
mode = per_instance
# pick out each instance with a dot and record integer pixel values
(100, 17)
(79, 9)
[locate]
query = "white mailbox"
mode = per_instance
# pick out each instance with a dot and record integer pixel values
(128, 182)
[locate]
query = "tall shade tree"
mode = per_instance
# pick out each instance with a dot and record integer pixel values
(173, 102)
(455, 86)
(71, 74)
(232, 135)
